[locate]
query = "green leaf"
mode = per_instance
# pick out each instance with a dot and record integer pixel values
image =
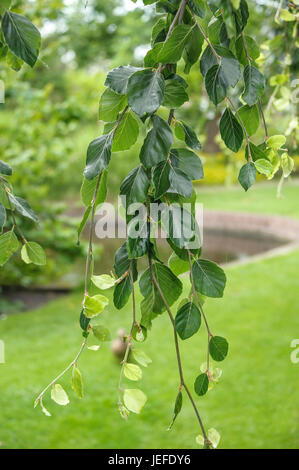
(117, 79)
(170, 285)
(229, 65)
(193, 49)
(161, 178)
(241, 16)
(21, 36)
(213, 438)
(139, 333)
(83, 223)
(263, 166)
(209, 278)
(177, 408)
(2, 217)
(126, 133)
(218, 348)
(254, 85)
(180, 226)
(172, 49)
(287, 165)
(198, 7)
(77, 384)
(247, 175)
(33, 253)
(59, 395)
(88, 189)
(185, 133)
(94, 305)
(23, 207)
(84, 321)
(5, 169)
(134, 399)
(103, 282)
(286, 15)
(141, 357)
(250, 118)
(201, 384)
(231, 130)
(216, 84)
(180, 183)
(145, 91)
(98, 155)
(177, 265)
(251, 46)
(122, 292)
(111, 104)
(188, 162)
(8, 245)
(276, 141)
(132, 372)
(135, 186)
(157, 143)
(13, 61)
(175, 94)
(101, 333)
(122, 262)
(187, 320)
(257, 152)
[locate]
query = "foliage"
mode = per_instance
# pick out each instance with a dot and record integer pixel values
(132, 101)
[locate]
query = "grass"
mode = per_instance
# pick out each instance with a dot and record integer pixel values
(260, 198)
(255, 405)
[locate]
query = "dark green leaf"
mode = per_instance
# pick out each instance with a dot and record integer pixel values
(256, 151)
(180, 226)
(157, 143)
(88, 189)
(218, 348)
(188, 162)
(145, 91)
(230, 67)
(177, 408)
(198, 7)
(126, 133)
(231, 130)
(254, 85)
(187, 320)
(252, 49)
(175, 94)
(21, 36)
(161, 178)
(170, 285)
(247, 175)
(172, 49)
(240, 16)
(122, 292)
(122, 262)
(209, 278)
(98, 155)
(111, 104)
(84, 321)
(117, 79)
(201, 384)
(23, 207)
(250, 118)
(216, 84)
(83, 223)
(185, 133)
(2, 217)
(193, 49)
(5, 169)
(135, 186)
(180, 183)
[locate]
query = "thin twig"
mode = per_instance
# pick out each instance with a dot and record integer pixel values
(182, 381)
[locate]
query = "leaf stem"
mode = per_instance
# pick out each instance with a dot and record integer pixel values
(73, 363)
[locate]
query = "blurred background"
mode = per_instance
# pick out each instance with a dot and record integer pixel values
(49, 117)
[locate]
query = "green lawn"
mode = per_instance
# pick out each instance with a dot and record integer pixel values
(260, 198)
(256, 405)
